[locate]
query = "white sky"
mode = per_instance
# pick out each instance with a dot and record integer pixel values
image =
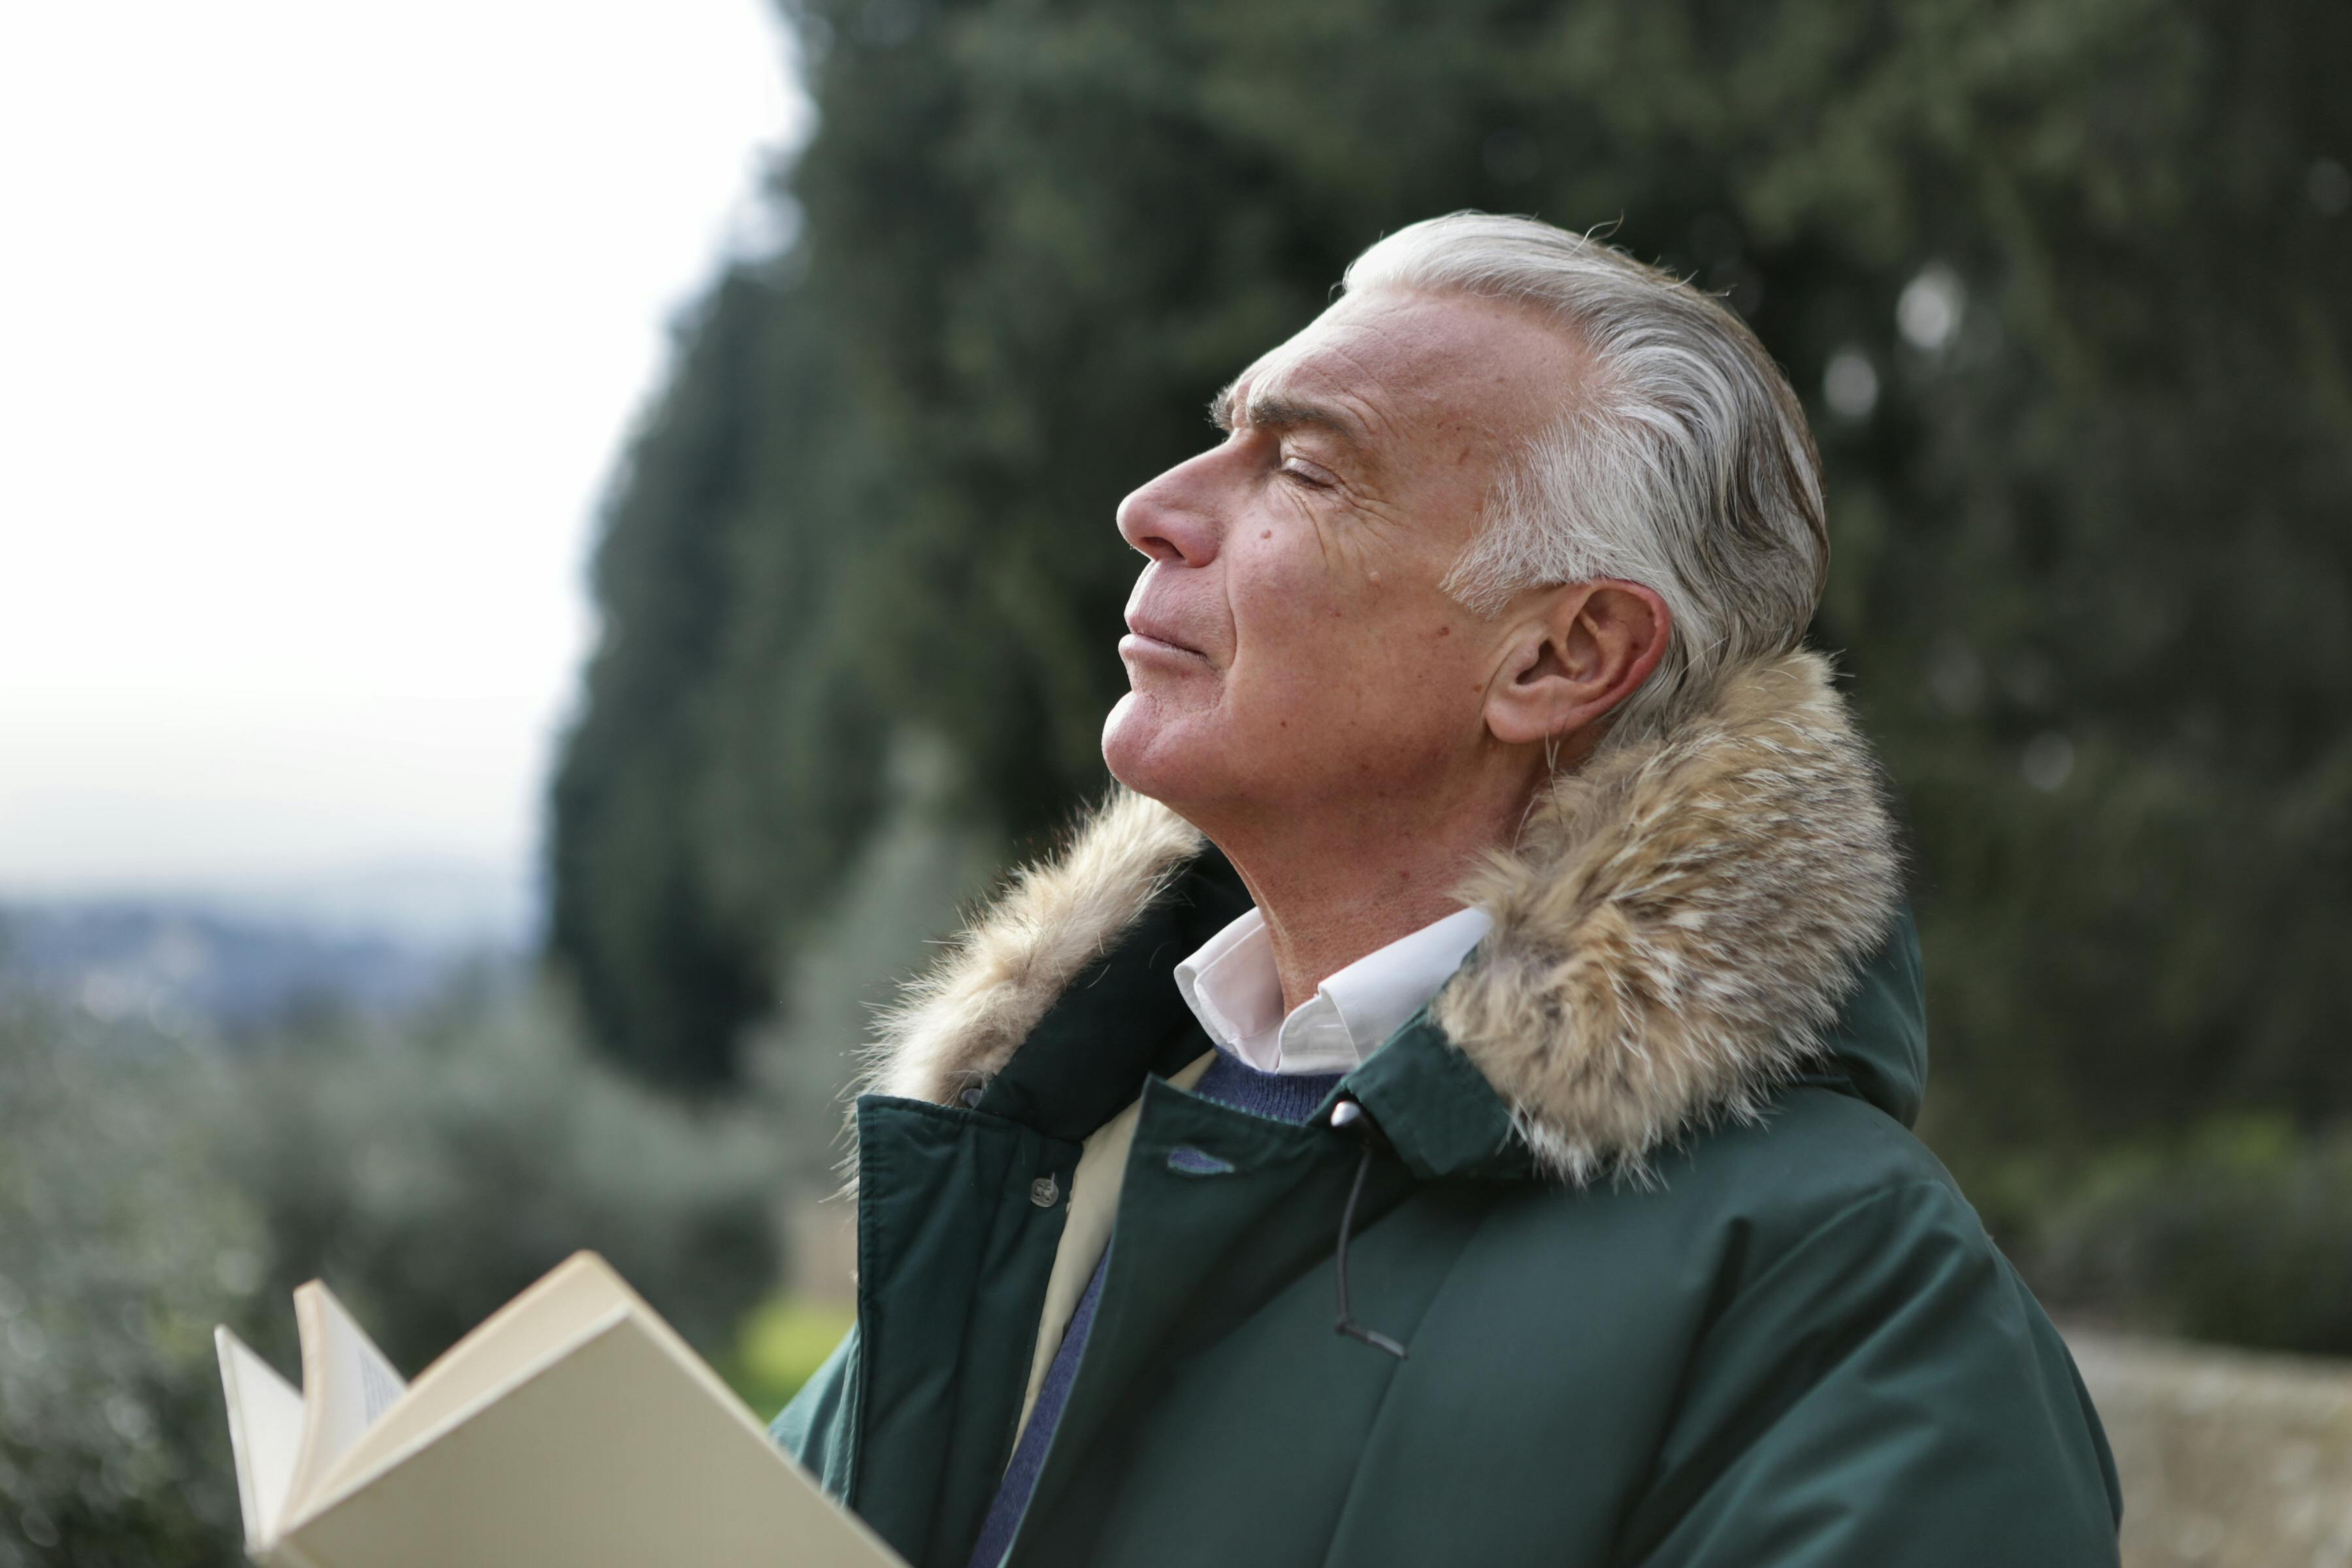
(320, 326)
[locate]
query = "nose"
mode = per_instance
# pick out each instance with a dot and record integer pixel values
(1170, 518)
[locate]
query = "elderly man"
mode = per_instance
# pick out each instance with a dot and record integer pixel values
(1496, 951)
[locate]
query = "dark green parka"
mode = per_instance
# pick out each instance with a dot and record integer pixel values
(1675, 1283)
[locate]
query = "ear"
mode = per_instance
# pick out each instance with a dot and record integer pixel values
(1580, 651)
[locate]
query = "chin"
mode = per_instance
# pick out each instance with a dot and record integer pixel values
(1149, 755)
(1126, 747)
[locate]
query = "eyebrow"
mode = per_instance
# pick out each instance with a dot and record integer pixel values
(1276, 411)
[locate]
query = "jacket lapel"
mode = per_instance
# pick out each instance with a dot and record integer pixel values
(1203, 1253)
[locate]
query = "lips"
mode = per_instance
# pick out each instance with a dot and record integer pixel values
(1150, 629)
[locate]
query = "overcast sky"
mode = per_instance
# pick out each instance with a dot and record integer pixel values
(321, 325)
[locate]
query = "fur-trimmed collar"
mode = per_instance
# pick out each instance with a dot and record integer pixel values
(1676, 925)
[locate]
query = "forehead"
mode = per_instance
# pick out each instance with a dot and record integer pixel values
(1387, 368)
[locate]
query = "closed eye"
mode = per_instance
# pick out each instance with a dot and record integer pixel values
(1299, 470)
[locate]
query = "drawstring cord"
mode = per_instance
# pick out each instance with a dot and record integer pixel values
(1347, 1116)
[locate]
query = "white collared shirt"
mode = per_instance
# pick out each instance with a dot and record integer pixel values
(1233, 988)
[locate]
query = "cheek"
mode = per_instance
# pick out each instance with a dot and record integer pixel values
(1362, 652)
(1292, 617)
(1266, 584)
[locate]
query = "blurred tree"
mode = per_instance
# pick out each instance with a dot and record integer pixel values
(120, 1246)
(430, 1172)
(722, 774)
(2063, 281)
(153, 1185)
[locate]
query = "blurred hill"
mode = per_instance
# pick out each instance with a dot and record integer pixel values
(442, 904)
(190, 968)
(377, 940)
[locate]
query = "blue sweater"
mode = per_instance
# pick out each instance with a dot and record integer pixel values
(1229, 1081)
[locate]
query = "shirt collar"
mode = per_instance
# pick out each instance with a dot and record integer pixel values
(1232, 987)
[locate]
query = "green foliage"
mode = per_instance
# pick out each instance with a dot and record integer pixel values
(2242, 1233)
(2091, 578)
(430, 1174)
(783, 1344)
(901, 892)
(120, 1248)
(153, 1188)
(721, 776)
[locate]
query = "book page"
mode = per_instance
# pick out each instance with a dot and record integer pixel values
(562, 1308)
(347, 1384)
(265, 1432)
(613, 1455)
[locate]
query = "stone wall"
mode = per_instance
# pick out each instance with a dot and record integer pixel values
(2229, 1459)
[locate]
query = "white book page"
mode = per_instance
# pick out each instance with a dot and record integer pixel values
(265, 1432)
(569, 1303)
(613, 1455)
(347, 1384)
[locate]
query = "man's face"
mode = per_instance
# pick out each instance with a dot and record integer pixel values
(1289, 645)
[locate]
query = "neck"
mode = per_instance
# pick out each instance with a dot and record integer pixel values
(1346, 878)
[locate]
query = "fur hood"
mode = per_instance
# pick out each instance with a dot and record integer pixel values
(1675, 927)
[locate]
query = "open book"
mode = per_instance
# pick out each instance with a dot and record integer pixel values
(573, 1428)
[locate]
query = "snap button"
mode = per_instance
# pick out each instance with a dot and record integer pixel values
(1045, 1192)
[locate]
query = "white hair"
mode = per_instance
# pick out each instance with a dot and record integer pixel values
(1681, 461)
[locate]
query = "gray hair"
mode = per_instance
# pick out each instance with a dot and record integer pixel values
(1682, 462)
